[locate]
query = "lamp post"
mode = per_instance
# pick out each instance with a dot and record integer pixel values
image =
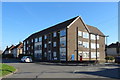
(106, 48)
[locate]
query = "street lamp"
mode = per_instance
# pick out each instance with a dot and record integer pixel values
(106, 48)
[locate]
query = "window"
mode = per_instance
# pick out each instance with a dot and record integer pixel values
(54, 44)
(62, 41)
(85, 35)
(54, 34)
(93, 37)
(93, 46)
(36, 39)
(98, 46)
(45, 54)
(63, 54)
(45, 45)
(93, 54)
(49, 42)
(63, 32)
(40, 39)
(85, 54)
(27, 42)
(45, 37)
(54, 54)
(31, 40)
(80, 43)
(86, 44)
(97, 37)
(79, 33)
(27, 48)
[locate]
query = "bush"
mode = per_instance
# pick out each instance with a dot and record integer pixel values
(110, 58)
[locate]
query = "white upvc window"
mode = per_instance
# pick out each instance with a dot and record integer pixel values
(54, 34)
(80, 43)
(93, 46)
(85, 35)
(45, 37)
(31, 40)
(79, 33)
(85, 54)
(93, 37)
(27, 42)
(54, 54)
(93, 54)
(63, 32)
(97, 37)
(98, 46)
(54, 44)
(85, 44)
(36, 39)
(45, 45)
(40, 39)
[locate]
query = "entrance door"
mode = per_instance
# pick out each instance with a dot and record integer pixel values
(49, 57)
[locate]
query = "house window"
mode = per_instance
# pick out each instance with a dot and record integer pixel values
(79, 33)
(45, 37)
(85, 54)
(98, 46)
(63, 54)
(27, 42)
(31, 40)
(54, 44)
(80, 43)
(49, 42)
(36, 39)
(62, 41)
(93, 46)
(45, 54)
(54, 54)
(54, 34)
(86, 44)
(93, 37)
(40, 39)
(63, 32)
(85, 35)
(93, 54)
(27, 48)
(45, 45)
(97, 37)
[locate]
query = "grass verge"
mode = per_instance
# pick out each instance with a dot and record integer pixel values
(6, 69)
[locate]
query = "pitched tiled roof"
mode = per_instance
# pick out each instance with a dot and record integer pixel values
(95, 30)
(20, 45)
(64, 25)
(57, 26)
(114, 45)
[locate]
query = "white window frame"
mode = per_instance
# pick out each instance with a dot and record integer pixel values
(54, 34)
(54, 44)
(85, 35)
(79, 33)
(45, 36)
(45, 45)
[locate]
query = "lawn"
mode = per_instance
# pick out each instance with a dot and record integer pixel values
(6, 69)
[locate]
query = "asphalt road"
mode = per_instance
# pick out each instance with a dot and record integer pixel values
(49, 70)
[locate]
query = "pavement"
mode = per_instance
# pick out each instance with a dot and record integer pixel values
(53, 70)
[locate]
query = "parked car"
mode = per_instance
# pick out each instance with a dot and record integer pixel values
(117, 59)
(26, 59)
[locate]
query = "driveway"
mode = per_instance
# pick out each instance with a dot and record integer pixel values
(49, 70)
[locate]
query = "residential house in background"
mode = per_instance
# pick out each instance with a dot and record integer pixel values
(17, 50)
(71, 40)
(8, 50)
(113, 49)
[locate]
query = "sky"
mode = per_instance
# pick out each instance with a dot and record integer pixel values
(21, 19)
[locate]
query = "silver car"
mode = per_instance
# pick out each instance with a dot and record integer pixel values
(26, 59)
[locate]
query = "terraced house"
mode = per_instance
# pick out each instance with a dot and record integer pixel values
(71, 40)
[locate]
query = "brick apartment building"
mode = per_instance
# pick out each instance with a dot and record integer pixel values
(71, 40)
